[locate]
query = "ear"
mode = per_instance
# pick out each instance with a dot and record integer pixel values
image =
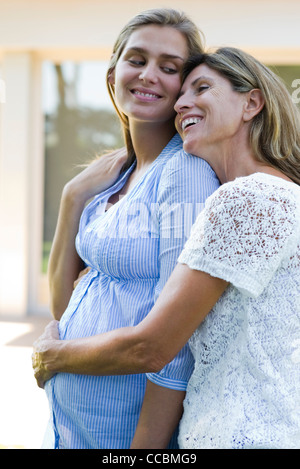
(255, 103)
(111, 77)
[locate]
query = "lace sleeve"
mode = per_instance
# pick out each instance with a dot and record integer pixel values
(243, 234)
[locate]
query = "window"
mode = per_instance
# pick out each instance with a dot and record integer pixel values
(79, 123)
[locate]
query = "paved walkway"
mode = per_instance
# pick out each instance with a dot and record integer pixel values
(23, 406)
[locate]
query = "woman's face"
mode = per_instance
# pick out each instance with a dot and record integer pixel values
(147, 75)
(209, 112)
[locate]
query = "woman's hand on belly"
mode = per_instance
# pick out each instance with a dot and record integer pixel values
(43, 356)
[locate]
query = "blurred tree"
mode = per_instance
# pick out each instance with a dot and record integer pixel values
(74, 135)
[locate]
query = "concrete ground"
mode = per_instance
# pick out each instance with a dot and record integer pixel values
(23, 406)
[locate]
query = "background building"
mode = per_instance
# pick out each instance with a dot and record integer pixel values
(54, 112)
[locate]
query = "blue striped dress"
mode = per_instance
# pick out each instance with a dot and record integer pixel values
(132, 249)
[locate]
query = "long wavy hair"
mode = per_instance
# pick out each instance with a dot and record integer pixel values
(275, 131)
(163, 17)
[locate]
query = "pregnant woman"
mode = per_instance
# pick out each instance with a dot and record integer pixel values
(129, 235)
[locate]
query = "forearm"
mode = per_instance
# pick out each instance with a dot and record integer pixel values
(64, 262)
(116, 352)
(161, 411)
(185, 301)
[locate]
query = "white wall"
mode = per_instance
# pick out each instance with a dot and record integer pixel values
(87, 25)
(14, 180)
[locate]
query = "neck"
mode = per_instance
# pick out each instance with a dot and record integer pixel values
(233, 162)
(241, 164)
(149, 139)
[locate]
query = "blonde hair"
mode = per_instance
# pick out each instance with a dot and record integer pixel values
(275, 131)
(163, 17)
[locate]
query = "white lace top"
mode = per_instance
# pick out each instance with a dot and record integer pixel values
(245, 389)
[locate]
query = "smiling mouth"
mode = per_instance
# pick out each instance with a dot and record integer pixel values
(145, 95)
(190, 121)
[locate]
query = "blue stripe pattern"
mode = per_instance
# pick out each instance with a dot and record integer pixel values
(132, 249)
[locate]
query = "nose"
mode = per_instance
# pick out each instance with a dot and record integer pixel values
(149, 73)
(182, 104)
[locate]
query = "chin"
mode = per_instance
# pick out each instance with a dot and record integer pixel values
(190, 148)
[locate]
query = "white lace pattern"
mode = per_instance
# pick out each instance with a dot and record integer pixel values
(245, 389)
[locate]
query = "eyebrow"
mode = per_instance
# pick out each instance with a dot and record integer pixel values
(195, 82)
(144, 51)
(201, 78)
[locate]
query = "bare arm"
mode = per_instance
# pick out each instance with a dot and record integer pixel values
(64, 262)
(186, 299)
(160, 415)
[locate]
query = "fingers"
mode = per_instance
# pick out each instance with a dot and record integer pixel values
(51, 330)
(118, 157)
(35, 365)
(81, 274)
(41, 374)
(40, 347)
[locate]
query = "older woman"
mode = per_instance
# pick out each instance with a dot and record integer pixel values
(235, 291)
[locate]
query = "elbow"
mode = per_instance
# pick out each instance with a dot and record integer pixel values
(55, 312)
(150, 356)
(156, 365)
(56, 308)
(157, 362)
(59, 298)
(54, 303)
